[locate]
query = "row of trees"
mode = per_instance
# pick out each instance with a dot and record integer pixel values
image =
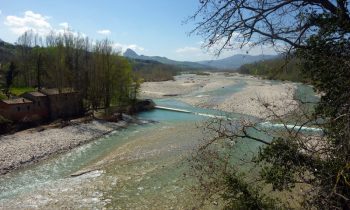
(277, 69)
(69, 60)
(152, 71)
(292, 169)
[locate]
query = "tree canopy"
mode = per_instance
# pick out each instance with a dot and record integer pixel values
(68, 60)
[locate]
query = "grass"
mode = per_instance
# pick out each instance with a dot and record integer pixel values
(20, 90)
(2, 96)
(17, 91)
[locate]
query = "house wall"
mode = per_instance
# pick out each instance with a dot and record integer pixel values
(64, 105)
(19, 112)
(40, 105)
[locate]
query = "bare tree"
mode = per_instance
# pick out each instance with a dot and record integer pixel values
(318, 32)
(228, 23)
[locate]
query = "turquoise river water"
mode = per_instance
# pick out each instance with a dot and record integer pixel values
(140, 167)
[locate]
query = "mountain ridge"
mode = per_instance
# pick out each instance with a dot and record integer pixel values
(129, 53)
(235, 61)
(229, 63)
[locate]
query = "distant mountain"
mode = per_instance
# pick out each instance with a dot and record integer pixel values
(182, 64)
(236, 61)
(130, 54)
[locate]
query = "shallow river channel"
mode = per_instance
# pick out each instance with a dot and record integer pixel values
(139, 167)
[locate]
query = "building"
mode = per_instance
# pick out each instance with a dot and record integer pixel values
(40, 103)
(19, 109)
(47, 104)
(63, 104)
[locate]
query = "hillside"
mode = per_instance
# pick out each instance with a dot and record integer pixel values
(235, 61)
(229, 63)
(6, 51)
(180, 64)
(151, 71)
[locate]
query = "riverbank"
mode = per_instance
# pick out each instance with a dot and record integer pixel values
(141, 167)
(258, 97)
(32, 145)
(29, 146)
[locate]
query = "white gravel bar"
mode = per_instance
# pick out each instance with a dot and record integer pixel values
(29, 146)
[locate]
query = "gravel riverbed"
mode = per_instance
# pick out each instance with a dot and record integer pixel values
(29, 146)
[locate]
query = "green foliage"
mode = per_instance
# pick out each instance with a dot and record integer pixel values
(2, 96)
(7, 52)
(327, 64)
(66, 60)
(281, 161)
(241, 194)
(17, 91)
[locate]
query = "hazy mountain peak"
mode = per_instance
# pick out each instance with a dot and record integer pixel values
(130, 53)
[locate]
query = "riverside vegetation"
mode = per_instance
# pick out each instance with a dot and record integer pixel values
(102, 77)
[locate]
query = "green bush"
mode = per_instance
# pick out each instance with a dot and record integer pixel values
(3, 120)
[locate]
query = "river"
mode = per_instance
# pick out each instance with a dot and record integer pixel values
(140, 167)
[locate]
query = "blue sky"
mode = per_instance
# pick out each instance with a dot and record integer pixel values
(150, 27)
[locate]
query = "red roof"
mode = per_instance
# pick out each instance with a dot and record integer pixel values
(35, 94)
(55, 91)
(17, 101)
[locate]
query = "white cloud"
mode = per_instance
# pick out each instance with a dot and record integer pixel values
(30, 21)
(188, 50)
(104, 32)
(65, 25)
(195, 53)
(0, 11)
(38, 24)
(68, 32)
(123, 47)
(191, 53)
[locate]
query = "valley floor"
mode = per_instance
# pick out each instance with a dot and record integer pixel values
(141, 167)
(252, 99)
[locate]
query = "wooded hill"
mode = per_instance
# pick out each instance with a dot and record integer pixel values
(153, 71)
(279, 68)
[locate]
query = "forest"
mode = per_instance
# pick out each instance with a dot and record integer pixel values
(68, 60)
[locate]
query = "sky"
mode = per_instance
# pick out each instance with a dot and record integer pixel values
(149, 27)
